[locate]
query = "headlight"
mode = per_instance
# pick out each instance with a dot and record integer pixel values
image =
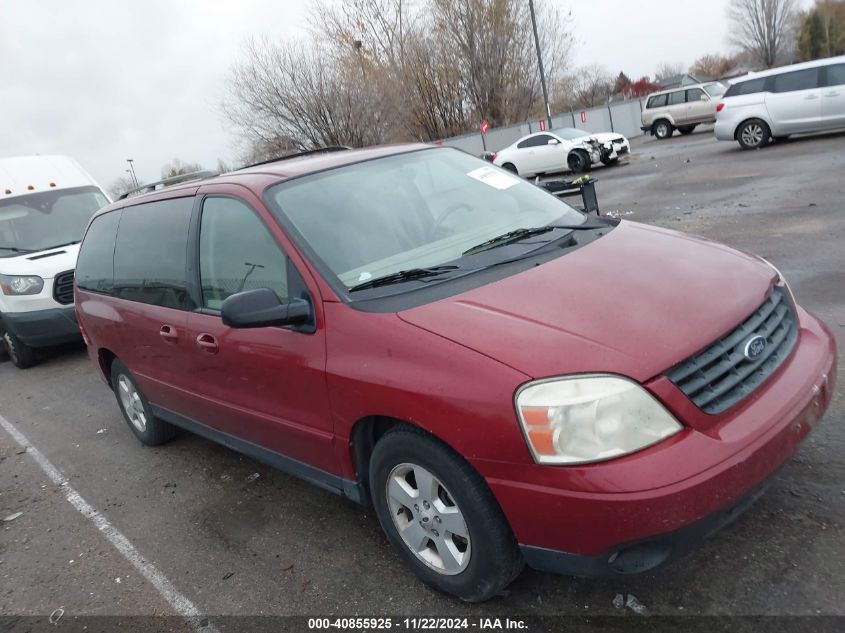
(21, 285)
(590, 419)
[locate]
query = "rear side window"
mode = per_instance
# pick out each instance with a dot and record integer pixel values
(535, 141)
(676, 98)
(149, 256)
(798, 80)
(747, 87)
(695, 94)
(836, 75)
(95, 265)
(237, 253)
(656, 102)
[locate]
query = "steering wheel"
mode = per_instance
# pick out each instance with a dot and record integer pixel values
(443, 216)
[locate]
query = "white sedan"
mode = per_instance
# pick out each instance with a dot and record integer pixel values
(564, 149)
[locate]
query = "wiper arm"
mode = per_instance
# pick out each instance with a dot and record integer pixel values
(519, 234)
(60, 245)
(403, 275)
(16, 250)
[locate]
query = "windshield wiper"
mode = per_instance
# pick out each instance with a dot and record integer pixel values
(16, 250)
(520, 234)
(403, 275)
(60, 245)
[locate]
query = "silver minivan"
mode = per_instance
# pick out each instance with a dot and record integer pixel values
(773, 104)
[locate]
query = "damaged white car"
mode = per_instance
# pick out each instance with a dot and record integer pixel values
(564, 149)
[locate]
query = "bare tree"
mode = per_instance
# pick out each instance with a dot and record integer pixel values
(176, 168)
(762, 28)
(293, 91)
(713, 65)
(490, 41)
(587, 87)
(668, 69)
(122, 185)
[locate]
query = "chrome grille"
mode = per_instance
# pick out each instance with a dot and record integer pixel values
(63, 287)
(721, 375)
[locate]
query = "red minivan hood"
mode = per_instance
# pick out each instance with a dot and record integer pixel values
(634, 302)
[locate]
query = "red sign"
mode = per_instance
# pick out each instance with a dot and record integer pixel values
(583, 117)
(542, 125)
(485, 125)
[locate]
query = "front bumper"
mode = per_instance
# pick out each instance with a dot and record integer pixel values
(639, 511)
(43, 328)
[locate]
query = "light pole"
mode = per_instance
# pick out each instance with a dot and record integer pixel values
(540, 66)
(132, 171)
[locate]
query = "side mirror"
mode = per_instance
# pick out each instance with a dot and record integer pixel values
(262, 308)
(553, 141)
(704, 98)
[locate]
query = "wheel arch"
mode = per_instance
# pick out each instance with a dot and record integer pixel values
(105, 358)
(363, 437)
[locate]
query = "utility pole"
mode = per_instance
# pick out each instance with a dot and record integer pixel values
(540, 66)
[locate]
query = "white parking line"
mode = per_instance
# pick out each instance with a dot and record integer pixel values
(180, 603)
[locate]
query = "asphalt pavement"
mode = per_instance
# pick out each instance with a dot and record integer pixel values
(231, 537)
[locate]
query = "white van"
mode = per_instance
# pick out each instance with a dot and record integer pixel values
(797, 99)
(45, 205)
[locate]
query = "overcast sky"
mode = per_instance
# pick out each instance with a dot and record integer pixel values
(106, 80)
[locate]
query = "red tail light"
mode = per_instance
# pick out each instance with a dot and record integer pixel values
(720, 106)
(493, 156)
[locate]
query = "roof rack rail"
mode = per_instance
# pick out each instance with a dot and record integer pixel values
(319, 150)
(174, 180)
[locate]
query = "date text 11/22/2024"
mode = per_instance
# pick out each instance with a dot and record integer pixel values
(417, 624)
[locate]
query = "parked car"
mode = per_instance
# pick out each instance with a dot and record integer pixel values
(681, 109)
(774, 104)
(45, 204)
(505, 379)
(548, 153)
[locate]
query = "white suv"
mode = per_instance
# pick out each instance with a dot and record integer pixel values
(45, 205)
(773, 104)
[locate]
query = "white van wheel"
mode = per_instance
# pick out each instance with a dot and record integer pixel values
(21, 354)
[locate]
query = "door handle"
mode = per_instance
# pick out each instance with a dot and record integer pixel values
(207, 343)
(811, 97)
(168, 333)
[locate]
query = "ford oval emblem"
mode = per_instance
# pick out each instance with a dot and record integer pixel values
(754, 347)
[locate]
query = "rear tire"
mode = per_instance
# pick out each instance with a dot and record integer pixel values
(136, 408)
(22, 355)
(753, 134)
(687, 129)
(420, 489)
(510, 167)
(578, 161)
(662, 129)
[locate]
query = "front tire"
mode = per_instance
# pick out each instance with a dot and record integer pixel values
(22, 355)
(136, 408)
(578, 161)
(440, 516)
(662, 129)
(753, 134)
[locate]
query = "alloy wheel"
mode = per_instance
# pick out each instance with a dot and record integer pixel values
(428, 519)
(131, 402)
(752, 134)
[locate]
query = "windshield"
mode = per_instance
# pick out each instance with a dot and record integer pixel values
(571, 133)
(39, 221)
(409, 211)
(716, 90)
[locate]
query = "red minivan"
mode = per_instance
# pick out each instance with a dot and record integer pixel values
(507, 380)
